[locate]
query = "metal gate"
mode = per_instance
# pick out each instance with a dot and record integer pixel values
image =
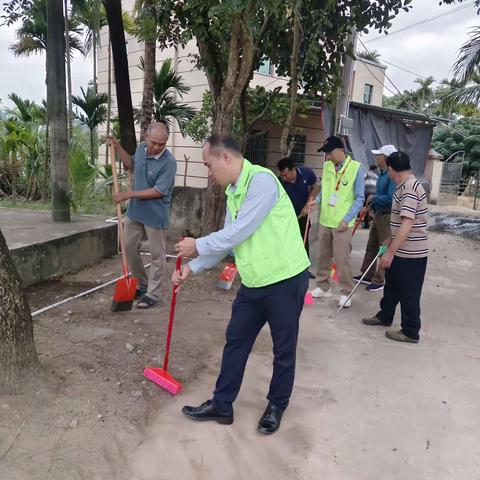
(451, 178)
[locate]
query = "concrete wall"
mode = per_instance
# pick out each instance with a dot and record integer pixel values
(44, 260)
(433, 173)
(366, 72)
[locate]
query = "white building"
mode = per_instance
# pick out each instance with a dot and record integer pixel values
(368, 82)
(309, 131)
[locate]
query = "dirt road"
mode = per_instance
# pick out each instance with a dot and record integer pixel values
(363, 408)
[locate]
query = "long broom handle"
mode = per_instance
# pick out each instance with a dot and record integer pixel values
(305, 236)
(358, 222)
(121, 233)
(359, 282)
(173, 302)
(381, 251)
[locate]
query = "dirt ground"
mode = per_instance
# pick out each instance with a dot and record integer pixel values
(93, 416)
(363, 408)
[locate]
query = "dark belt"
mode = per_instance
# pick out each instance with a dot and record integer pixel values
(383, 212)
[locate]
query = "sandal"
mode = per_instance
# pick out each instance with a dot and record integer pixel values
(140, 292)
(146, 302)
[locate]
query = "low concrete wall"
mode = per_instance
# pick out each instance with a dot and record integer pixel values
(49, 257)
(44, 260)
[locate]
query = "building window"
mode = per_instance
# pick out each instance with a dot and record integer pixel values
(265, 67)
(256, 149)
(367, 94)
(298, 151)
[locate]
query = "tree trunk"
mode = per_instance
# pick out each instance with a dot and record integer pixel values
(215, 200)
(148, 86)
(226, 94)
(149, 59)
(113, 9)
(17, 349)
(46, 163)
(285, 145)
(57, 111)
(92, 146)
(96, 31)
(69, 71)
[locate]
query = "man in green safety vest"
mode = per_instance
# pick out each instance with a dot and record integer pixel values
(262, 230)
(341, 198)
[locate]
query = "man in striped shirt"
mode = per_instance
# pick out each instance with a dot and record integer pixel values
(405, 260)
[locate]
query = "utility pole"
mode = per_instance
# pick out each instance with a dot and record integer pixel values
(344, 92)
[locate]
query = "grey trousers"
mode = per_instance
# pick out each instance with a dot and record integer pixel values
(134, 233)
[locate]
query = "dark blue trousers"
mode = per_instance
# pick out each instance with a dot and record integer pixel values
(279, 304)
(403, 284)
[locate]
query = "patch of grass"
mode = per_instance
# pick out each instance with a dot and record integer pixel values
(29, 204)
(97, 205)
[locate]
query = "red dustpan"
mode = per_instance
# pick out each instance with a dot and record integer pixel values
(160, 376)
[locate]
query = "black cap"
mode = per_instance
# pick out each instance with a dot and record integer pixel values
(331, 143)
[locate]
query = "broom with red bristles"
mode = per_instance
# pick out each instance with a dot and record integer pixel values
(126, 287)
(160, 376)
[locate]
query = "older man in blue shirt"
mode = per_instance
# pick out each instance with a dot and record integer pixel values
(148, 213)
(381, 205)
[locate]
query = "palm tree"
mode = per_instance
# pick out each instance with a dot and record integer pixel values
(467, 71)
(32, 35)
(24, 109)
(425, 90)
(469, 57)
(168, 84)
(29, 117)
(371, 55)
(145, 29)
(91, 15)
(92, 112)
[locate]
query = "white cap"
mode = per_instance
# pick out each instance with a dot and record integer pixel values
(385, 150)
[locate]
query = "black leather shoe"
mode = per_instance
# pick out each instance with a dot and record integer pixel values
(270, 421)
(208, 411)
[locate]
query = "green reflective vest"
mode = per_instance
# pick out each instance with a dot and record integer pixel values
(275, 251)
(331, 216)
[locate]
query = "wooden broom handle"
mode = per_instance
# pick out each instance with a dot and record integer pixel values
(121, 233)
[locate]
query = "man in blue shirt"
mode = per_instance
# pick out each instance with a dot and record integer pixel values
(301, 186)
(381, 205)
(148, 213)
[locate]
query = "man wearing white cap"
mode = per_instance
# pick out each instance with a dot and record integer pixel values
(381, 205)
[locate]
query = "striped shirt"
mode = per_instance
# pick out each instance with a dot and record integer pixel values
(410, 201)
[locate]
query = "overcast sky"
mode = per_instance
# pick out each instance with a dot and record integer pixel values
(427, 49)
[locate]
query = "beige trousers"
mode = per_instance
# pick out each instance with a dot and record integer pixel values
(335, 247)
(134, 232)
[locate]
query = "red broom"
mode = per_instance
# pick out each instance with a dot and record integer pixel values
(160, 376)
(126, 287)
